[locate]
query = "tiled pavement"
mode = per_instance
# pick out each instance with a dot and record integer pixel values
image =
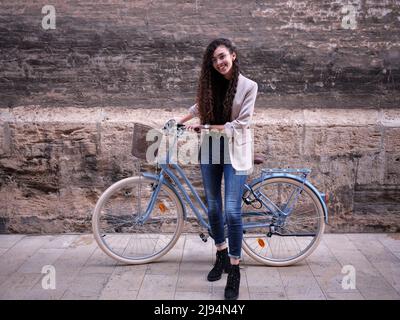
(83, 271)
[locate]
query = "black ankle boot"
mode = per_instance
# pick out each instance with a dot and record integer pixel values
(222, 263)
(233, 283)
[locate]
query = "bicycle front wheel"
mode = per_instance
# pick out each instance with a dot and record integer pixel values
(297, 218)
(125, 228)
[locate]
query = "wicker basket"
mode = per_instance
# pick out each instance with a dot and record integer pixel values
(139, 143)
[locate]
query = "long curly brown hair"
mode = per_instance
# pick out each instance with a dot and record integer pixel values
(210, 84)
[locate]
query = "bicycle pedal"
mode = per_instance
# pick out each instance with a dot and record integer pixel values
(203, 237)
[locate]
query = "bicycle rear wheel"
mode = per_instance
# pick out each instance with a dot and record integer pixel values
(125, 232)
(293, 237)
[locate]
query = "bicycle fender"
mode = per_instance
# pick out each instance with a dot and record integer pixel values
(299, 179)
(156, 177)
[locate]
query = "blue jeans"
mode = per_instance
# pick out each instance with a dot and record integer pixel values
(234, 186)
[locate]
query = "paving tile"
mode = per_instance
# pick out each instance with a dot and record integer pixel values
(40, 292)
(299, 283)
(368, 280)
(83, 240)
(11, 260)
(73, 259)
(268, 296)
(157, 287)
(193, 280)
(338, 242)
(322, 254)
(331, 282)
(381, 258)
(86, 287)
(125, 279)
(99, 262)
(3, 279)
(40, 259)
(9, 240)
(300, 269)
(163, 268)
(120, 294)
(392, 242)
(61, 241)
(195, 295)
(391, 273)
(168, 264)
(175, 254)
(326, 269)
(263, 279)
(373, 249)
(344, 296)
(374, 286)
(302, 288)
(196, 250)
(17, 285)
(349, 255)
(363, 236)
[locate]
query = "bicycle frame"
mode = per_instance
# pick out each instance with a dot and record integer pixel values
(287, 209)
(293, 174)
(271, 208)
(161, 179)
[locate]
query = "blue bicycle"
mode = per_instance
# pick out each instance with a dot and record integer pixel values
(139, 219)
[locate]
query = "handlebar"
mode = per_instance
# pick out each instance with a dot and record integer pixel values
(179, 125)
(171, 124)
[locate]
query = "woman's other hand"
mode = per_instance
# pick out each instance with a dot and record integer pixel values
(194, 127)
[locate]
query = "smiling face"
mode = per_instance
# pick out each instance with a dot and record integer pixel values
(222, 61)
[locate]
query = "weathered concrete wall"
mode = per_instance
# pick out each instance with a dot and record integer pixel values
(143, 54)
(329, 95)
(55, 162)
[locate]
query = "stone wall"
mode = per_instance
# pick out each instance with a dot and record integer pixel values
(143, 54)
(55, 162)
(329, 93)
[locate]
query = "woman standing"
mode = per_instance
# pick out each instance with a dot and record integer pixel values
(225, 104)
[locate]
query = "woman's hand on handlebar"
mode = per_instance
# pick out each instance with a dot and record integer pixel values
(194, 127)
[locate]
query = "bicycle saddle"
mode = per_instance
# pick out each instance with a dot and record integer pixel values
(258, 159)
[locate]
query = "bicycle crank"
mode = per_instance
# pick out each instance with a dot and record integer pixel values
(271, 231)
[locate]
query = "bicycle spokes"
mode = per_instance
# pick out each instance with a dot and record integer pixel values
(138, 220)
(287, 226)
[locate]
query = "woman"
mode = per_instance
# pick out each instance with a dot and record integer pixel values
(225, 103)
